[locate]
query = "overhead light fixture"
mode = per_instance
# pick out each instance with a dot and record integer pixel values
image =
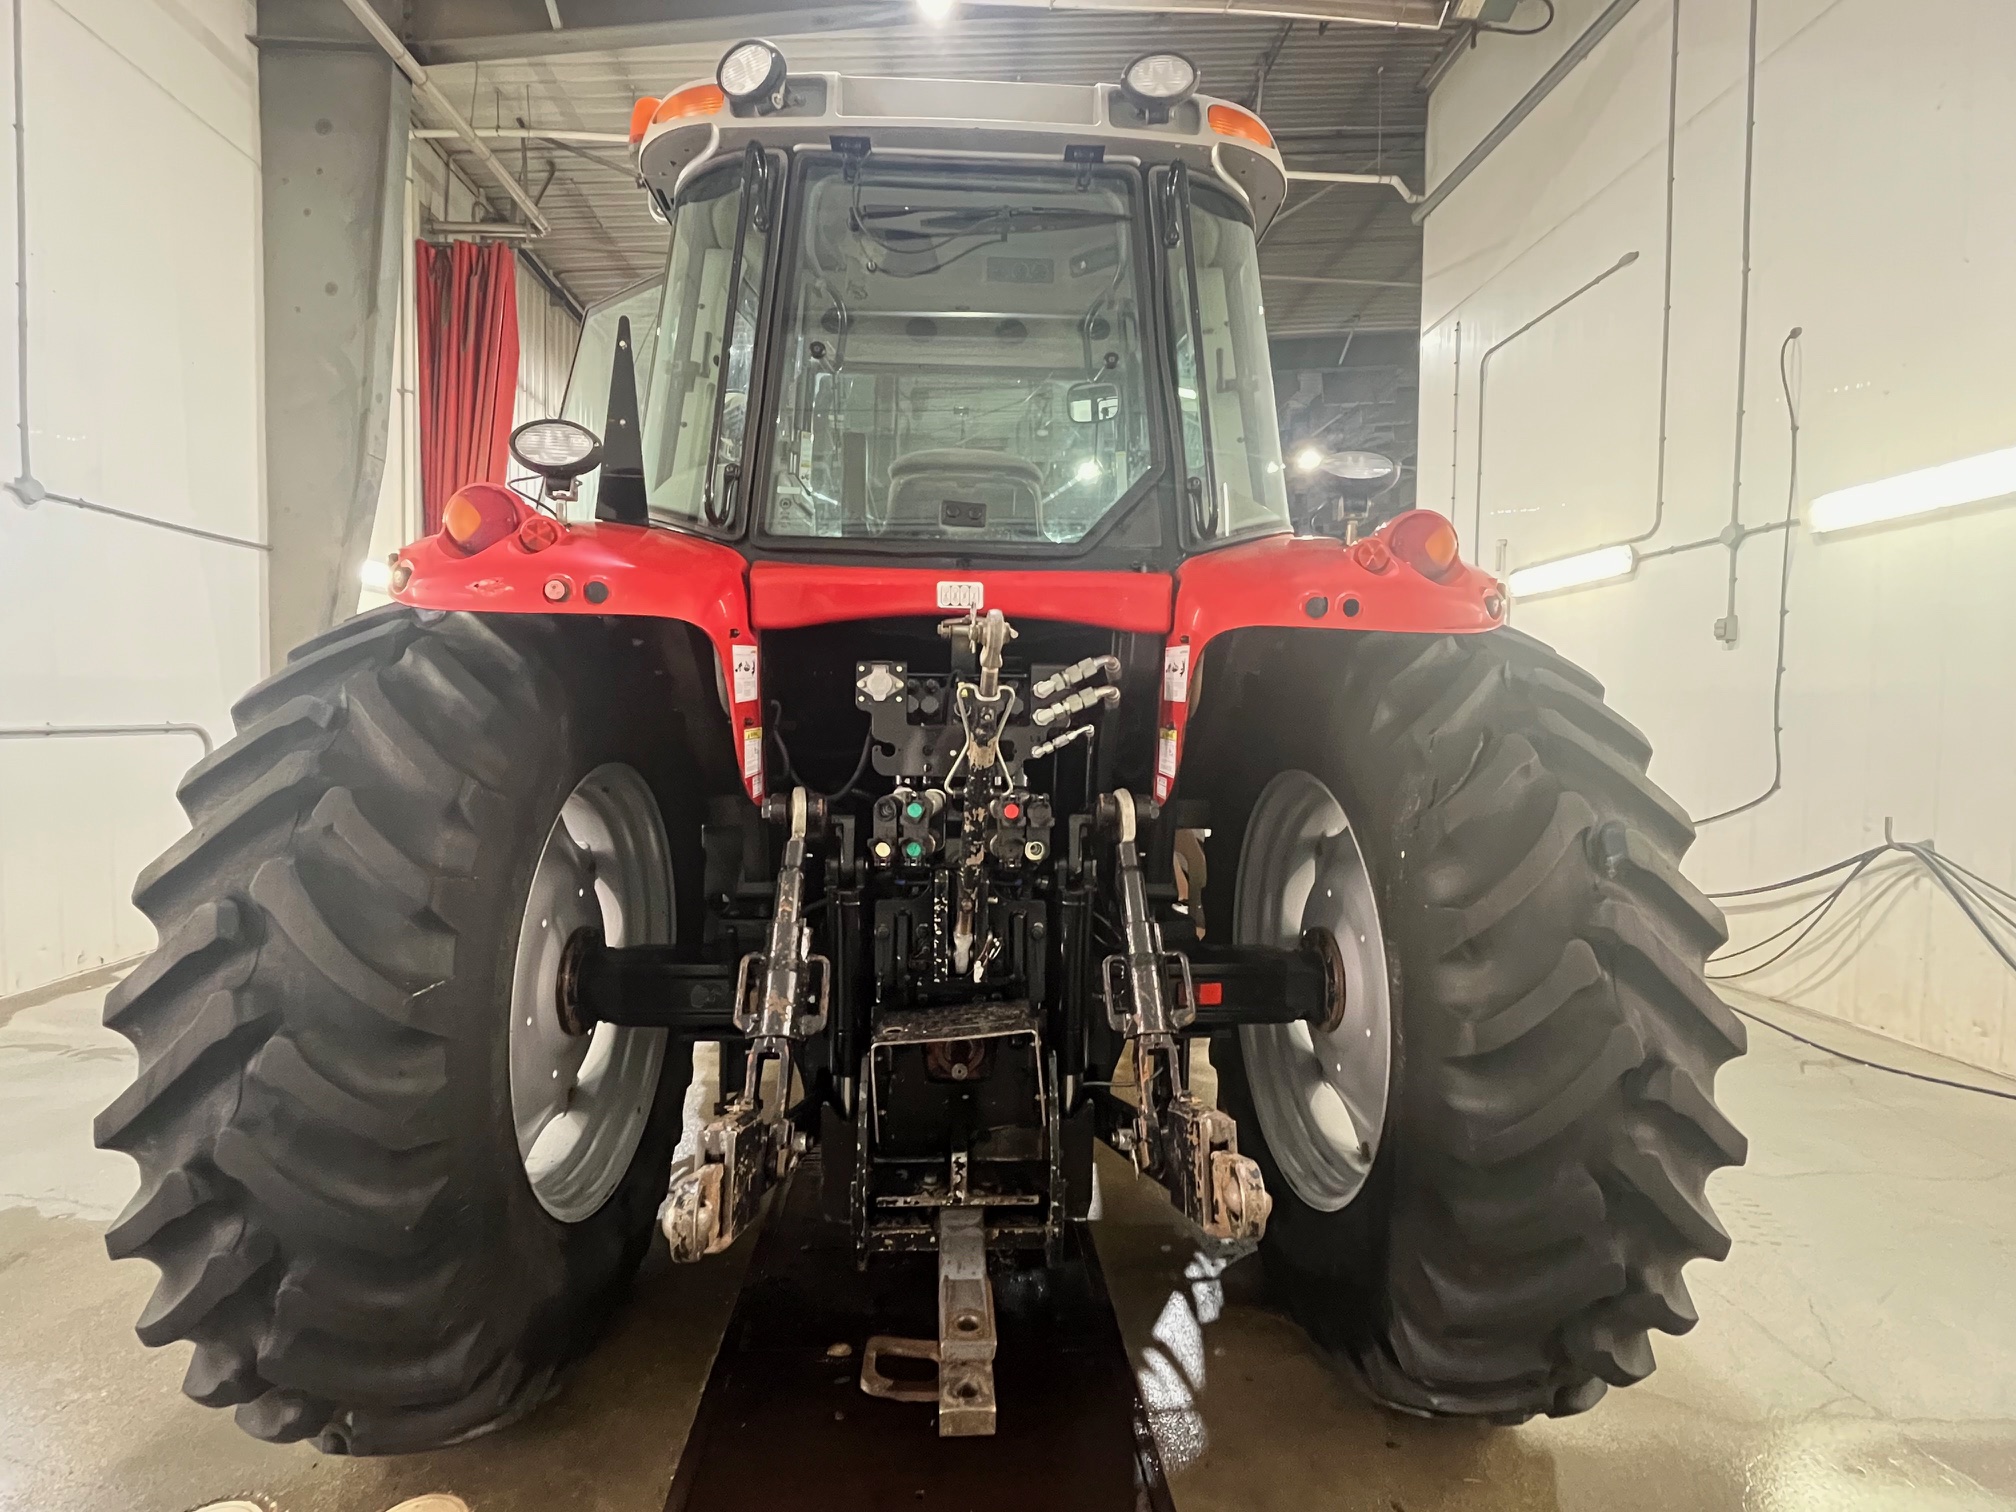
(1308, 459)
(936, 12)
(1157, 83)
(751, 72)
(1973, 480)
(1602, 566)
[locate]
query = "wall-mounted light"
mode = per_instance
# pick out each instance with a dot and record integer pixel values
(376, 575)
(1972, 480)
(1600, 566)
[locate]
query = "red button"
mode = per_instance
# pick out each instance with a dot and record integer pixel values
(1210, 994)
(1011, 811)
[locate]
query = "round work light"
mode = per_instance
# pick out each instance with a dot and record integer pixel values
(750, 71)
(1157, 81)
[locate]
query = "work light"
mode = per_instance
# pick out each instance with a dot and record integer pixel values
(1157, 82)
(751, 71)
(559, 451)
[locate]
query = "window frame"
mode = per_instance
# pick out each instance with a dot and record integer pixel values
(767, 181)
(1172, 195)
(1149, 492)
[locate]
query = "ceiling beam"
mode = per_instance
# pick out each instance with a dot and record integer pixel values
(469, 31)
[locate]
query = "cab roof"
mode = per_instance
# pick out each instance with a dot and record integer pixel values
(697, 124)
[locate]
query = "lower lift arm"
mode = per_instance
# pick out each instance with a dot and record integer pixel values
(1152, 997)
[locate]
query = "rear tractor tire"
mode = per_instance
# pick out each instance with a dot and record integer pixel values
(1487, 1181)
(389, 1198)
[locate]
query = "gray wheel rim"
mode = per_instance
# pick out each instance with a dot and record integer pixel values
(580, 1102)
(1320, 1097)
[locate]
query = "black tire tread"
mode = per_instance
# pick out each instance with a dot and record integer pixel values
(1557, 1124)
(316, 1286)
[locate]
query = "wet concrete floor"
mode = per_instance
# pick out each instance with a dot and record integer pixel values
(1857, 1353)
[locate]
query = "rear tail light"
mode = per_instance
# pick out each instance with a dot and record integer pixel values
(1231, 121)
(693, 100)
(640, 117)
(1426, 542)
(480, 515)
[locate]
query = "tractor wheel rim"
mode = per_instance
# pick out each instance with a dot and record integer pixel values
(580, 1102)
(1320, 1097)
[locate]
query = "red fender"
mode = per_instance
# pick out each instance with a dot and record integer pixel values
(1311, 583)
(608, 569)
(1306, 583)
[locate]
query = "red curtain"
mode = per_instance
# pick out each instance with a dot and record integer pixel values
(467, 306)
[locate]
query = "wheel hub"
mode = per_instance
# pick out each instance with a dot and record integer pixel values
(580, 1100)
(1320, 1092)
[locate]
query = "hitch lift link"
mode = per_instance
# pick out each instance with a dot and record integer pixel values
(750, 1146)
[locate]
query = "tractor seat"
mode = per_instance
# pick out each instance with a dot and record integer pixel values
(955, 490)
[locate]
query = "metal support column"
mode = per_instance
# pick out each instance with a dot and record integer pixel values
(334, 113)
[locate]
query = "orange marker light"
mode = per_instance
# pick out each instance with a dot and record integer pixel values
(1231, 121)
(1425, 541)
(693, 100)
(640, 117)
(479, 515)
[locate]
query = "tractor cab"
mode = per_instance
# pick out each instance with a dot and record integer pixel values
(917, 318)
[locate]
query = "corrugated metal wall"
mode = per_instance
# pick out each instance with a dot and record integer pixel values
(547, 331)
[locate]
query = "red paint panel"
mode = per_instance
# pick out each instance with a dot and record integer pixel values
(786, 595)
(1307, 583)
(656, 574)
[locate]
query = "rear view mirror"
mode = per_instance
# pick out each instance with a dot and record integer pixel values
(1087, 402)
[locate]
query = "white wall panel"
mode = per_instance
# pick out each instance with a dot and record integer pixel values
(143, 395)
(1883, 223)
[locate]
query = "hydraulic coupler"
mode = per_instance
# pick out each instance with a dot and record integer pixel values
(1192, 1150)
(749, 1147)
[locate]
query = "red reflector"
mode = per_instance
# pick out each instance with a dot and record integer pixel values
(539, 532)
(1424, 541)
(1210, 994)
(479, 515)
(1372, 555)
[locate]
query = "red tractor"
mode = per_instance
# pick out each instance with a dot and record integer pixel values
(908, 678)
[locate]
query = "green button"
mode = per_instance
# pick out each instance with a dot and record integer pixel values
(913, 849)
(914, 810)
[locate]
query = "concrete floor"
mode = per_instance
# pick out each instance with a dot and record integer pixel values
(1858, 1351)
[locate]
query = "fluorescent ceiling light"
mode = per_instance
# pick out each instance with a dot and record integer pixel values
(1574, 572)
(1972, 480)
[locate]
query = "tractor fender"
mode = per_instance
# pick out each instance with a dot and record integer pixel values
(630, 570)
(1312, 583)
